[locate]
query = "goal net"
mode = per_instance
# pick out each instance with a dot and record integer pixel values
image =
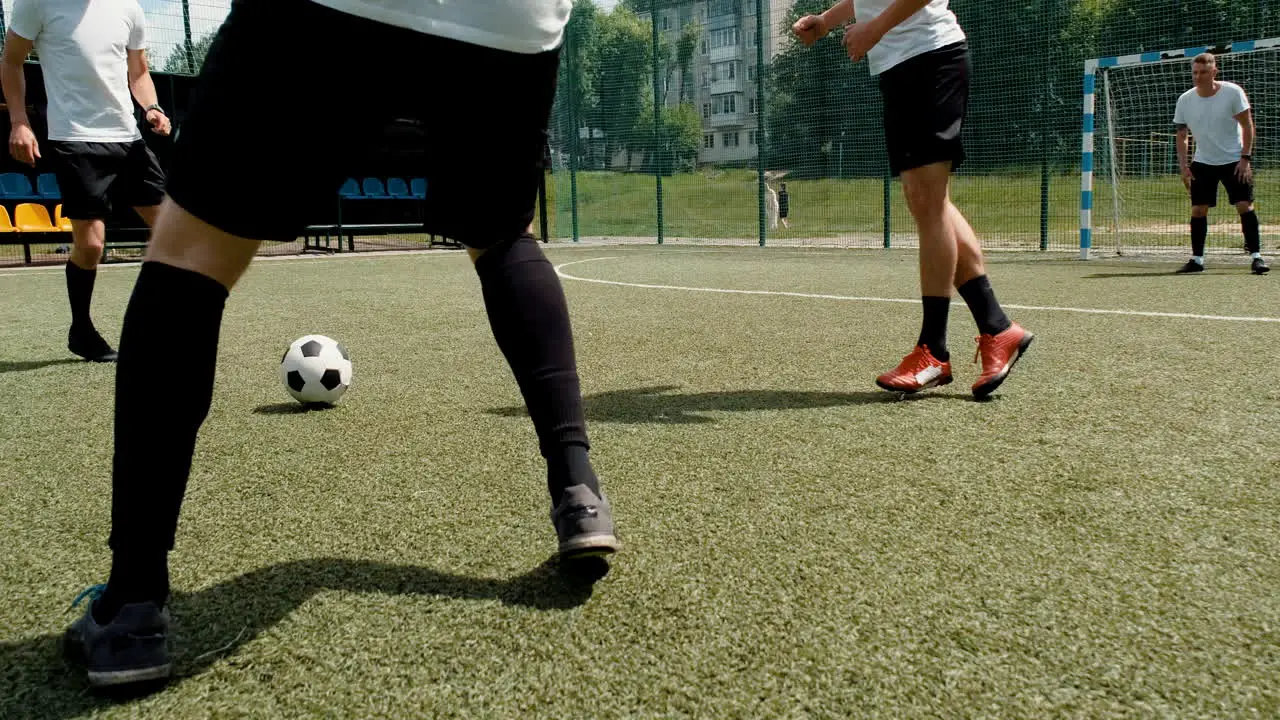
(1137, 202)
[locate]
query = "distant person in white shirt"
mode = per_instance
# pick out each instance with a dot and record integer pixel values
(1219, 117)
(920, 55)
(92, 56)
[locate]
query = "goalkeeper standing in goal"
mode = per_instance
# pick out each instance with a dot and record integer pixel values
(1219, 117)
(920, 55)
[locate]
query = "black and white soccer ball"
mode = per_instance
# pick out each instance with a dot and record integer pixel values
(316, 369)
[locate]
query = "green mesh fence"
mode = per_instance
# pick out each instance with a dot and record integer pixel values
(740, 111)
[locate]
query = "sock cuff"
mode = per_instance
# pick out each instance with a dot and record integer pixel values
(981, 281)
(190, 280)
(73, 268)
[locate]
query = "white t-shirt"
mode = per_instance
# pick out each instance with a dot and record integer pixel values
(1212, 120)
(82, 49)
(522, 26)
(929, 28)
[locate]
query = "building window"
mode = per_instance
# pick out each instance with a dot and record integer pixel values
(706, 78)
(704, 47)
(752, 106)
(666, 22)
(731, 139)
(728, 37)
(706, 111)
(751, 137)
(709, 141)
(724, 104)
(751, 73)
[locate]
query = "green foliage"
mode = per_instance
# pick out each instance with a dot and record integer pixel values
(177, 60)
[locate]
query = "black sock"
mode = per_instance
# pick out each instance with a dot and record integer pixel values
(80, 293)
(164, 386)
(530, 322)
(933, 330)
(1252, 234)
(1199, 231)
(134, 577)
(981, 299)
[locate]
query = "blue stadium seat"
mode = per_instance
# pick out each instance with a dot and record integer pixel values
(373, 188)
(350, 189)
(397, 188)
(47, 186)
(418, 188)
(16, 186)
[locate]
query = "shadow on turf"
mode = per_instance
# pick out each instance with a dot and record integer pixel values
(660, 405)
(213, 623)
(290, 408)
(8, 366)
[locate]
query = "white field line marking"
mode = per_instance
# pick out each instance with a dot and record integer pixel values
(856, 298)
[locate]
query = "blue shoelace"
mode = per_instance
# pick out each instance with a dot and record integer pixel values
(92, 592)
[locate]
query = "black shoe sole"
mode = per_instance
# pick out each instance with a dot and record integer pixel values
(984, 391)
(109, 356)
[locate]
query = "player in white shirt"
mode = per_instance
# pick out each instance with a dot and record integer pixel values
(1218, 115)
(466, 70)
(92, 57)
(919, 53)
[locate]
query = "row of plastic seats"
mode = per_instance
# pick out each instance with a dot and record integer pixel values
(16, 186)
(373, 189)
(33, 217)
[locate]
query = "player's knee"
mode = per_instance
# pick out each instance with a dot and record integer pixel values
(1244, 207)
(182, 240)
(1199, 211)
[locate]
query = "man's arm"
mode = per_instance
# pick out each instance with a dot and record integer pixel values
(894, 15)
(22, 141)
(1183, 167)
(16, 50)
(838, 14)
(1250, 134)
(144, 90)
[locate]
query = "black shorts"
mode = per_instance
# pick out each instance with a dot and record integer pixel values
(1204, 184)
(93, 175)
(260, 158)
(925, 101)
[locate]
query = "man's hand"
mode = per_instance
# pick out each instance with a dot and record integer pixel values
(158, 121)
(1186, 176)
(861, 37)
(22, 144)
(810, 29)
(1244, 171)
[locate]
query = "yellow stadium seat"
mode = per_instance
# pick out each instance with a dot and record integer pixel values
(33, 217)
(61, 222)
(5, 224)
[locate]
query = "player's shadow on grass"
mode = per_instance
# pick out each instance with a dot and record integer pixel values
(660, 404)
(8, 366)
(211, 624)
(290, 408)
(1104, 276)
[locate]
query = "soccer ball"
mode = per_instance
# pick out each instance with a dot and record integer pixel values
(316, 369)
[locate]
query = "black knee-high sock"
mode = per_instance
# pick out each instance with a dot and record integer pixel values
(1199, 231)
(164, 386)
(981, 299)
(933, 329)
(530, 322)
(80, 293)
(1252, 233)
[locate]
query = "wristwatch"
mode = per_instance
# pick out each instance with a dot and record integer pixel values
(154, 106)
(1246, 156)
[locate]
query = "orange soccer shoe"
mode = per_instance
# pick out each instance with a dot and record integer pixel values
(999, 354)
(918, 371)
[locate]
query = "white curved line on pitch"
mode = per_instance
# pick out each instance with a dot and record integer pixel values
(856, 298)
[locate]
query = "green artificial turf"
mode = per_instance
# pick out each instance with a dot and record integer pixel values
(1101, 539)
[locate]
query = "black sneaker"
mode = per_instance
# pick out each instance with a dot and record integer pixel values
(1191, 267)
(90, 346)
(1259, 266)
(584, 523)
(132, 648)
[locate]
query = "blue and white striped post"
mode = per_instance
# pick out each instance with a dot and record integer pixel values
(1091, 68)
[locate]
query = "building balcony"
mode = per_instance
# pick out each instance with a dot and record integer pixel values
(726, 120)
(723, 54)
(720, 87)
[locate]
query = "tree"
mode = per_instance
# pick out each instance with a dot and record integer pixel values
(622, 65)
(575, 90)
(177, 61)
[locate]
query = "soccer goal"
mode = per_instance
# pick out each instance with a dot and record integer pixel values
(1132, 196)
